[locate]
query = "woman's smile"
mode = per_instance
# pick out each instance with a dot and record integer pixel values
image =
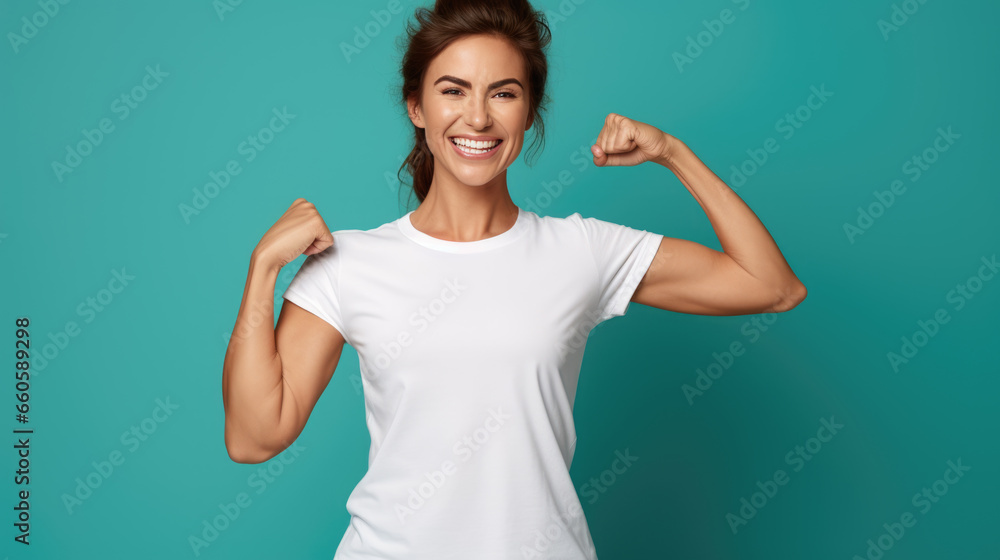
(475, 149)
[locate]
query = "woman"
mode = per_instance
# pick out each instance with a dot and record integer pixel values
(469, 314)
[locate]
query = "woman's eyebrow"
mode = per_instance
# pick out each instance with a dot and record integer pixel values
(466, 84)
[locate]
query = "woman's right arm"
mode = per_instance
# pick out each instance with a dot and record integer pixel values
(273, 376)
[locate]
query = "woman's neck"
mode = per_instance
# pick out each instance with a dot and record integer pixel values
(457, 212)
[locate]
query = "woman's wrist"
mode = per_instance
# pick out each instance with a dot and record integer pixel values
(675, 153)
(672, 153)
(262, 265)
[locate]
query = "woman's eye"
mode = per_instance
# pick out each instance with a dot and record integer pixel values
(507, 94)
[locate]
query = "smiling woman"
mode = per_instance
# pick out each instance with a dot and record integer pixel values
(488, 70)
(469, 392)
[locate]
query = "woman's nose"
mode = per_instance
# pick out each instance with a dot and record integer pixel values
(478, 114)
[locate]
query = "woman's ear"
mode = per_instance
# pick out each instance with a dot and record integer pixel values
(531, 119)
(413, 111)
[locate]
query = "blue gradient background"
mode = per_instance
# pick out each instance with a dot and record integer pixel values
(165, 335)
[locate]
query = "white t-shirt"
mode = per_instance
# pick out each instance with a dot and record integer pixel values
(470, 354)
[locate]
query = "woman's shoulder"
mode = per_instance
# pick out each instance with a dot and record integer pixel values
(572, 220)
(361, 235)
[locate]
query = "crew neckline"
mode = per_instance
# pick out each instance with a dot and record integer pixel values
(406, 226)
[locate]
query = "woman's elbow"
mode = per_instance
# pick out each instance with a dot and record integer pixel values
(241, 450)
(791, 296)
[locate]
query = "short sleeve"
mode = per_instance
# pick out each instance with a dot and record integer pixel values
(316, 287)
(622, 256)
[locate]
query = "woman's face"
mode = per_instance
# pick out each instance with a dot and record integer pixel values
(475, 90)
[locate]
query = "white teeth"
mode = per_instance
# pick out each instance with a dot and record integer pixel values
(476, 144)
(474, 147)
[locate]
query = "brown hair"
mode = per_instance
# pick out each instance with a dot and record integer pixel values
(514, 20)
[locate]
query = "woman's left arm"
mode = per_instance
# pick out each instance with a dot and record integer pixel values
(750, 275)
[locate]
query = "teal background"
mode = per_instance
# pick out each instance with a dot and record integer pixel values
(166, 333)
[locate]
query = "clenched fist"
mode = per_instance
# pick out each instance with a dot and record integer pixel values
(300, 230)
(624, 141)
